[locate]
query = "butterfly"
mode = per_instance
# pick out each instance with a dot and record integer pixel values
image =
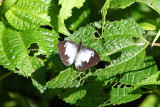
(83, 57)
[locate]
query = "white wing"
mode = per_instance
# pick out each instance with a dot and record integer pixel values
(67, 51)
(83, 58)
(71, 51)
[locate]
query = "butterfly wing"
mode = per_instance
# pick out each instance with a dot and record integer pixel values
(86, 58)
(67, 51)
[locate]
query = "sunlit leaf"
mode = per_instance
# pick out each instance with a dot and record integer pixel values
(27, 14)
(125, 3)
(17, 51)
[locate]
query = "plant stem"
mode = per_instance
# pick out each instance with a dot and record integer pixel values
(6, 75)
(155, 39)
(155, 44)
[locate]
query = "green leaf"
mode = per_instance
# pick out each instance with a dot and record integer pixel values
(154, 79)
(152, 3)
(65, 12)
(53, 12)
(73, 96)
(121, 3)
(129, 60)
(25, 15)
(122, 95)
(104, 12)
(148, 24)
(67, 78)
(85, 34)
(17, 51)
(128, 28)
(7, 5)
(134, 78)
(125, 3)
(119, 37)
(146, 69)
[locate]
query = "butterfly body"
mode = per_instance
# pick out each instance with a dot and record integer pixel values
(83, 57)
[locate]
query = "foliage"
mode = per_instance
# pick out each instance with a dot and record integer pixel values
(31, 29)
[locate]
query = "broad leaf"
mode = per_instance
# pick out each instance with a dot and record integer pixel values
(155, 4)
(67, 78)
(124, 3)
(104, 13)
(154, 79)
(135, 77)
(27, 14)
(23, 52)
(121, 3)
(128, 28)
(7, 5)
(121, 65)
(119, 37)
(132, 79)
(72, 95)
(122, 95)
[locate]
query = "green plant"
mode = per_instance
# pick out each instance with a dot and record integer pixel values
(30, 31)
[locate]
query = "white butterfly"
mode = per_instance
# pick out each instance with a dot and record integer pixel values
(84, 57)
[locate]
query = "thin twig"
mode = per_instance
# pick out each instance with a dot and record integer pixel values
(155, 44)
(6, 75)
